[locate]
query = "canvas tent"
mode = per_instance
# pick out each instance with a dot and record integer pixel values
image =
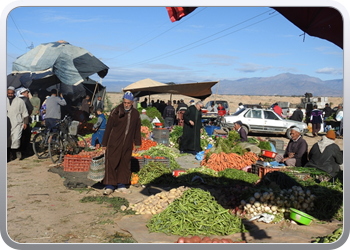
(200, 90)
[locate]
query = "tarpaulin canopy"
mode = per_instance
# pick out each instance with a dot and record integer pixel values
(321, 22)
(200, 90)
(59, 60)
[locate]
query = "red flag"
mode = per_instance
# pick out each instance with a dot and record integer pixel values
(176, 13)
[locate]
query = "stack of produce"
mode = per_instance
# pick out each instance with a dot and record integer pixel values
(85, 128)
(206, 239)
(331, 237)
(145, 131)
(155, 204)
(155, 172)
(156, 157)
(146, 144)
(174, 136)
(92, 154)
(196, 213)
(162, 150)
(223, 160)
(278, 202)
(134, 179)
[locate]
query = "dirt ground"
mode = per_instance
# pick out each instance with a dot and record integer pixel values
(43, 208)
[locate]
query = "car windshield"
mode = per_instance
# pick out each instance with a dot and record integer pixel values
(239, 111)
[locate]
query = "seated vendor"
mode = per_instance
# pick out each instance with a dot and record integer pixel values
(296, 151)
(326, 155)
(99, 127)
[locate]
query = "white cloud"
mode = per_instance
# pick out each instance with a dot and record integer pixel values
(330, 71)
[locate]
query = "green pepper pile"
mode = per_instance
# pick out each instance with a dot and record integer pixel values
(331, 237)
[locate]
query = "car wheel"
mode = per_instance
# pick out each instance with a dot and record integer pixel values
(288, 133)
(245, 129)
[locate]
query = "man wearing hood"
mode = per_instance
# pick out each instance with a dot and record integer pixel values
(326, 155)
(123, 130)
(19, 119)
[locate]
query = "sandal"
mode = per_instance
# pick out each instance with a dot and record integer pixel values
(123, 190)
(108, 191)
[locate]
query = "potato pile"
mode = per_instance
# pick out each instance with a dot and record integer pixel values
(276, 203)
(159, 202)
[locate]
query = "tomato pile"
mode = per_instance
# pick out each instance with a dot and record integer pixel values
(146, 144)
(85, 154)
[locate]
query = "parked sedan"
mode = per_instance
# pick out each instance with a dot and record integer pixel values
(258, 120)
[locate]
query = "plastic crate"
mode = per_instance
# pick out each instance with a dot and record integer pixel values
(255, 169)
(210, 129)
(164, 161)
(97, 168)
(76, 164)
(136, 164)
(264, 170)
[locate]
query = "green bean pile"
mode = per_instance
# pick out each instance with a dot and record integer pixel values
(331, 237)
(155, 172)
(195, 213)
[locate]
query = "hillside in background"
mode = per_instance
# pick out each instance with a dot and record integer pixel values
(283, 84)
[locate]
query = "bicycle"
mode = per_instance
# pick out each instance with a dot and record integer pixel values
(65, 140)
(40, 142)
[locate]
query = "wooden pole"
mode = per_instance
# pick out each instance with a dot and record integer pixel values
(93, 94)
(217, 88)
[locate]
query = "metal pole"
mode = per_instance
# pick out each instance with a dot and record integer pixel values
(217, 88)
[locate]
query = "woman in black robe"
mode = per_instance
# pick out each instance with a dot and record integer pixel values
(191, 138)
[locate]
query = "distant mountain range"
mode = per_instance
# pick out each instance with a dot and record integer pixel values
(283, 84)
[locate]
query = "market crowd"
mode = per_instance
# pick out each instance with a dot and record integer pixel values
(120, 134)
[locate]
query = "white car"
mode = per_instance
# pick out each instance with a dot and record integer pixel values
(258, 120)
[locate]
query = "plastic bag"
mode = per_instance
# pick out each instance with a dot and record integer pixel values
(273, 149)
(209, 146)
(339, 116)
(200, 156)
(156, 120)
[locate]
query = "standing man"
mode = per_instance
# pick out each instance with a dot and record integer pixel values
(123, 130)
(327, 112)
(85, 105)
(181, 105)
(98, 104)
(19, 120)
(316, 120)
(169, 115)
(99, 127)
(144, 104)
(192, 102)
(23, 93)
(221, 110)
(277, 109)
(242, 133)
(35, 101)
(295, 154)
(191, 142)
(297, 115)
(53, 109)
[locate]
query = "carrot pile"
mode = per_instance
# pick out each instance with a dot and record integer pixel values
(146, 144)
(221, 161)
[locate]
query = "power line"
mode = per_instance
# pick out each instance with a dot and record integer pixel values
(163, 55)
(159, 34)
(18, 29)
(14, 45)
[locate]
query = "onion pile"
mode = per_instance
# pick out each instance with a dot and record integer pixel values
(276, 203)
(157, 203)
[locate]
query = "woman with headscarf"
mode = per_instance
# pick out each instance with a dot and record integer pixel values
(123, 130)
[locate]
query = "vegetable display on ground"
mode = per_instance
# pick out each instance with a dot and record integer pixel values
(195, 213)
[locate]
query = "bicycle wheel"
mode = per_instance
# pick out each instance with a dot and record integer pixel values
(74, 144)
(40, 146)
(55, 147)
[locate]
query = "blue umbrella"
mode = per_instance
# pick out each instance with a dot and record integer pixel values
(58, 62)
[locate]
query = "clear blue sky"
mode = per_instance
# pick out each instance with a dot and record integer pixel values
(211, 43)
